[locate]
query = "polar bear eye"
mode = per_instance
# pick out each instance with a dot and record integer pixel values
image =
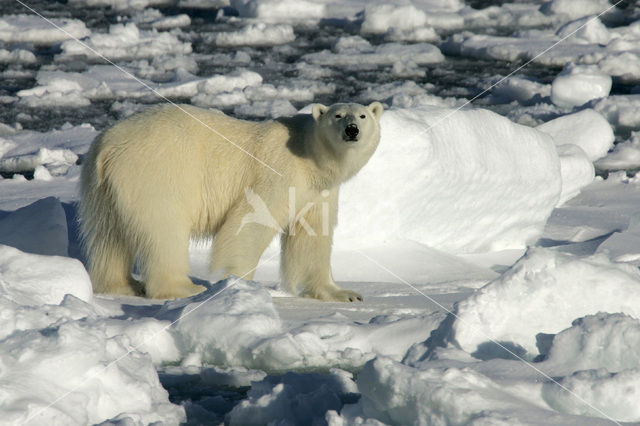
(363, 116)
(338, 116)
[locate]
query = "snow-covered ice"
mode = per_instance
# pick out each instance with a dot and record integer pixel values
(495, 234)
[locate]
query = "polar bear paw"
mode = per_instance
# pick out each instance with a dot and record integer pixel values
(334, 295)
(176, 290)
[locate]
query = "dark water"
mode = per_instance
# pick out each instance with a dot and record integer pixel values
(456, 77)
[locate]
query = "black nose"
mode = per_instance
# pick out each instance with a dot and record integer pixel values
(352, 131)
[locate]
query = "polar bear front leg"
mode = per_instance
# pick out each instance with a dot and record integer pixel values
(306, 254)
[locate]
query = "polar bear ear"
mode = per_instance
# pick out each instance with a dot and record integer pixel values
(318, 110)
(376, 109)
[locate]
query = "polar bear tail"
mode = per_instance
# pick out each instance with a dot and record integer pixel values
(108, 252)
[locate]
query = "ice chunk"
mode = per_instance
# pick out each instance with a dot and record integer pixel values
(574, 9)
(125, 41)
(259, 34)
(625, 155)
(585, 30)
(620, 110)
(523, 90)
(20, 56)
(280, 11)
(576, 85)
(34, 29)
(380, 18)
(121, 4)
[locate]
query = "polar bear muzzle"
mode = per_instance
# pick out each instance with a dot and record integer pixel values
(351, 133)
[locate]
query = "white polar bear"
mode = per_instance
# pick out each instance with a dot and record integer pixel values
(154, 180)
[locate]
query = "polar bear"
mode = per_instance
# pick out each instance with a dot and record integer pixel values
(172, 172)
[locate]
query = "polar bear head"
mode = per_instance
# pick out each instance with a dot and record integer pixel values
(347, 126)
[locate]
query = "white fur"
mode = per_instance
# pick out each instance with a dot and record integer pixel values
(156, 179)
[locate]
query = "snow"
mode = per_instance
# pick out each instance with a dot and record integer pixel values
(499, 274)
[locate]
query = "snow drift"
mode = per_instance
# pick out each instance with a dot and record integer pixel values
(461, 181)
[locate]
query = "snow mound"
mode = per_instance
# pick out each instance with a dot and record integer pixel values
(470, 181)
(39, 228)
(543, 293)
(74, 373)
(577, 85)
(601, 394)
(606, 341)
(576, 169)
(398, 394)
(238, 315)
(63, 361)
(244, 330)
(581, 138)
(34, 29)
(31, 279)
(587, 129)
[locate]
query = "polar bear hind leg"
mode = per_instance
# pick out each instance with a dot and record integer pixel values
(164, 256)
